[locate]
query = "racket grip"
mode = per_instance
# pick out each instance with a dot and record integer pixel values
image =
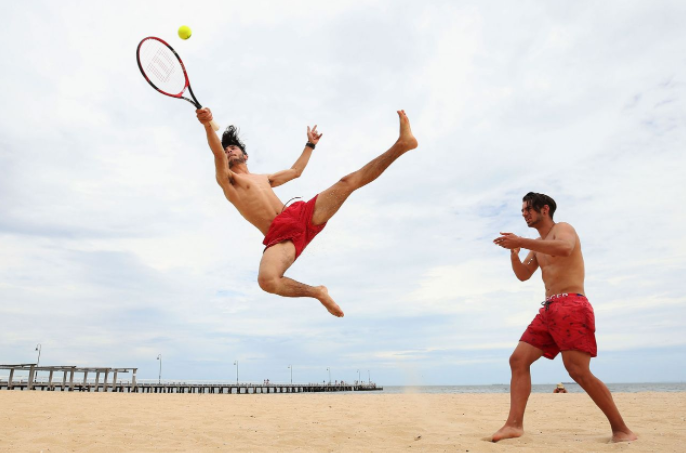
(214, 125)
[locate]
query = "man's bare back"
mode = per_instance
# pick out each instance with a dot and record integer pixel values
(253, 196)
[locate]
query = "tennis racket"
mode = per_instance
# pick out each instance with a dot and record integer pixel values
(163, 69)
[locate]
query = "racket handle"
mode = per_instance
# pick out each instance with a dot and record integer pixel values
(214, 125)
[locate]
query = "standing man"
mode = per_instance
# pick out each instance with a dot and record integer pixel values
(566, 322)
(288, 229)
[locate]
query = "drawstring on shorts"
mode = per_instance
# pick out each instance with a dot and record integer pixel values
(286, 204)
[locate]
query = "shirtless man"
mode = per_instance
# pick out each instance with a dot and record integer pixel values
(566, 322)
(288, 230)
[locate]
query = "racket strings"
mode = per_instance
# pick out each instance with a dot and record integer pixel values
(162, 67)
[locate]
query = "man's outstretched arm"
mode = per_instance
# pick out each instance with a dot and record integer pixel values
(562, 243)
(221, 162)
(282, 177)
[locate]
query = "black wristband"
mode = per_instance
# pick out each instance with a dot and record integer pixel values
(310, 144)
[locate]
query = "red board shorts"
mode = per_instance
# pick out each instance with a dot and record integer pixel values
(294, 224)
(565, 323)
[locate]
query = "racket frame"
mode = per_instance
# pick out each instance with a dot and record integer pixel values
(180, 95)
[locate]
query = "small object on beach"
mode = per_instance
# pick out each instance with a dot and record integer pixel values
(418, 437)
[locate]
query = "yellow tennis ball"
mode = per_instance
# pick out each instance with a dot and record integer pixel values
(184, 32)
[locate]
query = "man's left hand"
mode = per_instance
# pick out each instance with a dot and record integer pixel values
(508, 241)
(312, 135)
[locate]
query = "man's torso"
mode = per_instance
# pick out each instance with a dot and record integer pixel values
(254, 198)
(562, 274)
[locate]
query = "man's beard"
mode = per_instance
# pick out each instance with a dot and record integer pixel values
(238, 160)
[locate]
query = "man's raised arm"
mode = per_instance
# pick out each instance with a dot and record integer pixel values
(282, 177)
(220, 160)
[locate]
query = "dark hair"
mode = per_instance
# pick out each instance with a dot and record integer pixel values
(538, 200)
(230, 137)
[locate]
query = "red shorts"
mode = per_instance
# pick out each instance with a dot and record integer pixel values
(565, 323)
(294, 224)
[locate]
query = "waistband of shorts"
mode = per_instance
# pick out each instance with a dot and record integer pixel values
(561, 295)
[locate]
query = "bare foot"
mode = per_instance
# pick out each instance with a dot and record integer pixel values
(623, 436)
(507, 432)
(406, 139)
(328, 302)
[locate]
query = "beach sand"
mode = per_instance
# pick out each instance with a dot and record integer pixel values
(114, 422)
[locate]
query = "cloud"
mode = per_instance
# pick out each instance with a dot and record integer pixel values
(116, 244)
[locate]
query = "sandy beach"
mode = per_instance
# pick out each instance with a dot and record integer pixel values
(65, 422)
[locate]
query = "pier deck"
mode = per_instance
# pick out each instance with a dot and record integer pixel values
(70, 383)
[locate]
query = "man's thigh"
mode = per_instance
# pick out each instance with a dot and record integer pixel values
(330, 201)
(578, 361)
(277, 259)
(526, 354)
(537, 334)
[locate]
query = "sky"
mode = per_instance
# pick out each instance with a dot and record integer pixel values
(117, 245)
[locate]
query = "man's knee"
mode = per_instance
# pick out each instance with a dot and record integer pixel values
(519, 362)
(267, 283)
(348, 183)
(578, 372)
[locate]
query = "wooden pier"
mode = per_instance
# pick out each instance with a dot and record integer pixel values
(70, 383)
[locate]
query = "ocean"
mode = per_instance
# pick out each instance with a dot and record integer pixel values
(572, 387)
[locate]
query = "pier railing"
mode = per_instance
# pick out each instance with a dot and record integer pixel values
(77, 379)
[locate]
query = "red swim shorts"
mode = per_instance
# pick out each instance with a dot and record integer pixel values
(294, 224)
(565, 323)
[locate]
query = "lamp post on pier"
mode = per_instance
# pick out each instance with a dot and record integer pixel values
(329, 370)
(370, 377)
(236, 363)
(291, 368)
(38, 348)
(159, 378)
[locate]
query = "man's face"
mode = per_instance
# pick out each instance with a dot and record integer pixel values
(235, 155)
(531, 217)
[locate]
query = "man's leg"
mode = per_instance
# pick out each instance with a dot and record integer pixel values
(330, 200)
(275, 261)
(520, 389)
(578, 366)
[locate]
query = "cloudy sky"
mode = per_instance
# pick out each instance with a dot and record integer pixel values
(116, 244)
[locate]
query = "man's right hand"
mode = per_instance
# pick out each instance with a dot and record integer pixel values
(204, 115)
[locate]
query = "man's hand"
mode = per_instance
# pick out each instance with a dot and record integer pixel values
(508, 241)
(204, 115)
(312, 135)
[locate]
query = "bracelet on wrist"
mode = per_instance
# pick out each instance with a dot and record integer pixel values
(310, 145)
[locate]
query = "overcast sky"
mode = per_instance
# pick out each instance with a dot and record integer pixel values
(116, 244)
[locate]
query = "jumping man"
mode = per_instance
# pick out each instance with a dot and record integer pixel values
(566, 322)
(288, 230)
